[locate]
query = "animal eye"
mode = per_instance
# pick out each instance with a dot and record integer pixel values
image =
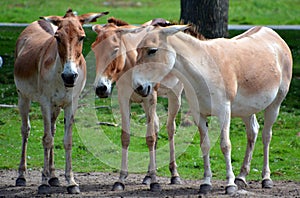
(81, 38)
(152, 51)
(57, 38)
(115, 51)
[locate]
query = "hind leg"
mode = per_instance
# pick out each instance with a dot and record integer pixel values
(270, 116)
(24, 105)
(252, 128)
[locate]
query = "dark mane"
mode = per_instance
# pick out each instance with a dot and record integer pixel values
(117, 22)
(192, 30)
(69, 13)
(160, 22)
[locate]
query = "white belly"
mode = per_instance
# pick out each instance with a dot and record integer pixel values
(247, 105)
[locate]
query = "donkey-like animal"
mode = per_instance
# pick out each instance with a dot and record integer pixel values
(115, 57)
(226, 78)
(51, 70)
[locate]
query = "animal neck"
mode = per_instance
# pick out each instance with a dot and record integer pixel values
(189, 53)
(130, 42)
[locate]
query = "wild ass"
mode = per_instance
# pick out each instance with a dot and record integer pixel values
(115, 58)
(50, 69)
(235, 77)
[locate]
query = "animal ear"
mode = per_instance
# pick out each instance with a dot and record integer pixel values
(97, 28)
(173, 29)
(130, 30)
(90, 17)
(55, 20)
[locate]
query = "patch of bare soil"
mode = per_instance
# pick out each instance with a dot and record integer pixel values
(98, 184)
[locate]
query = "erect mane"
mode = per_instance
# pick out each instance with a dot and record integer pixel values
(192, 30)
(69, 13)
(117, 22)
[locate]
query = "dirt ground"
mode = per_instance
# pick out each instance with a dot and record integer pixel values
(98, 184)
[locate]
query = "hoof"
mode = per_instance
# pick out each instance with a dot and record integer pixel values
(240, 183)
(118, 186)
(73, 189)
(43, 189)
(53, 182)
(267, 183)
(230, 190)
(21, 182)
(176, 180)
(147, 180)
(205, 188)
(155, 187)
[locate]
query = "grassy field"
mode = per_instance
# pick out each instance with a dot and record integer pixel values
(138, 11)
(97, 148)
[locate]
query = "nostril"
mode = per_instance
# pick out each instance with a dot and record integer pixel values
(63, 76)
(148, 89)
(140, 88)
(69, 79)
(102, 88)
(75, 76)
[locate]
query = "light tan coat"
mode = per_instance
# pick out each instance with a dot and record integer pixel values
(224, 78)
(50, 69)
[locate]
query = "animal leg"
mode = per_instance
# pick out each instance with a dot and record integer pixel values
(48, 146)
(24, 105)
(151, 138)
(270, 114)
(225, 144)
(206, 185)
(174, 103)
(125, 140)
(147, 179)
(73, 187)
(252, 128)
(53, 181)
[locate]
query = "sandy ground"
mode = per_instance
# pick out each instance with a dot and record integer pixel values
(98, 184)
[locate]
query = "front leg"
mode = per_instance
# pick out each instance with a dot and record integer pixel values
(53, 181)
(174, 102)
(24, 105)
(225, 144)
(151, 137)
(206, 185)
(48, 146)
(124, 103)
(73, 187)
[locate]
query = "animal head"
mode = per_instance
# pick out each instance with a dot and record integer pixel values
(113, 52)
(155, 58)
(109, 59)
(115, 49)
(69, 36)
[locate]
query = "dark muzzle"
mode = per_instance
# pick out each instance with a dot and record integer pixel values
(69, 79)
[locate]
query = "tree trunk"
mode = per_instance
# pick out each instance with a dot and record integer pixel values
(209, 16)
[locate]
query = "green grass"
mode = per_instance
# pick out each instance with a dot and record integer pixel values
(138, 11)
(94, 145)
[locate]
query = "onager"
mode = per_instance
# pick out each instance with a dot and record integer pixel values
(51, 70)
(115, 57)
(225, 78)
